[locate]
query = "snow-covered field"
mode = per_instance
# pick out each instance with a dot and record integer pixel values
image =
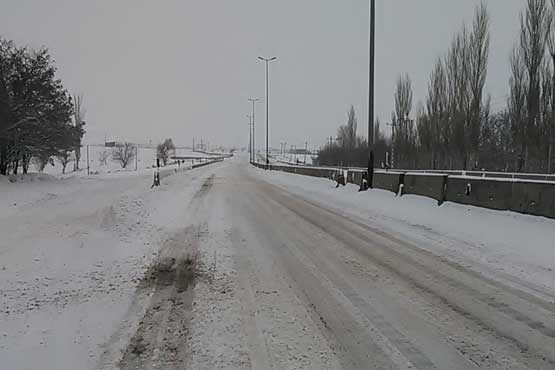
(497, 243)
(71, 255)
(146, 159)
(291, 159)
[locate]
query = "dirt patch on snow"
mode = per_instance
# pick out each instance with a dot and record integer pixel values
(161, 340)
(162, 335)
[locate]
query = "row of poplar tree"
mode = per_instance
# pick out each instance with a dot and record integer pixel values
(39, 120)
(456, 127)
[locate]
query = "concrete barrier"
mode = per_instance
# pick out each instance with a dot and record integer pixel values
(534, 198)
(519, 195)
(355, 176)
(428, 185)
(300, 170)
(523, 196)
(480, 192)
(388, 181)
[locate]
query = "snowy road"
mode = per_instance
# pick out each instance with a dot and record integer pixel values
(255, 270)
(300, 285)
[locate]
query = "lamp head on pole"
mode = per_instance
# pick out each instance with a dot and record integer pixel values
(267, 59)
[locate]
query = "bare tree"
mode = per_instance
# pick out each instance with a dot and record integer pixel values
(78, 118)
(436, 113)
(478, 54)
(40, 161)
(103, 157)
(535, 26)
(404, 139)
(403, 97)
(347, 134)
(458, 93)
(426, 140)
(516, 103)
(64, 157)
(551, 46)
(123, 153)
(164, 150)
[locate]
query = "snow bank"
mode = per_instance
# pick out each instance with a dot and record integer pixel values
(26, 178)
(73, 252)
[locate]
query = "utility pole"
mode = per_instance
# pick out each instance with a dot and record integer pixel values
(305, 150)
(88, 165)
(371, 70)
(250, 137)
(253, 100)
(267, 61)
(193, 144)
(371, 74)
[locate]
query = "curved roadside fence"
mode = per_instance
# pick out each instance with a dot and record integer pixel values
(532, 194)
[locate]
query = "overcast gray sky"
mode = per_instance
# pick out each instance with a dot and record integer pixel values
(185, 68)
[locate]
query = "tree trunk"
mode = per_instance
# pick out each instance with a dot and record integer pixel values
(15, 165)
(552, 121)
(77, 157)
(3, 157)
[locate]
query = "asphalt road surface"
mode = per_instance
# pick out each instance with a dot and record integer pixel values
(265, 279)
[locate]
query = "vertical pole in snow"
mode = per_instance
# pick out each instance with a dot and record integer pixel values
(371, 90)
(253, 100)
(267, 60)
(371, 69)
(305, 150)
(88, 166)
(267, 104)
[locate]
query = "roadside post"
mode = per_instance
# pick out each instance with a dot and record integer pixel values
(156, 180)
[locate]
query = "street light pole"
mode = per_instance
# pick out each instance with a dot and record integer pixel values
(253, 100)
(267, 61)
(250, 137)
(372, 50)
